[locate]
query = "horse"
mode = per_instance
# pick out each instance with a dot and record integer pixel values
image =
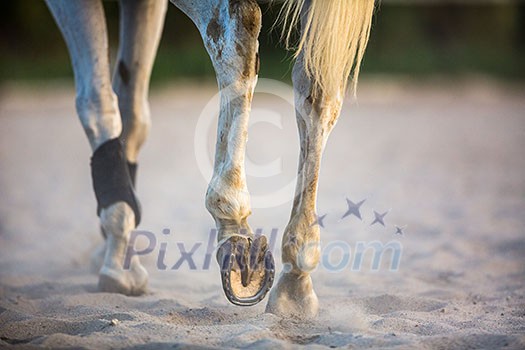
(115, 115)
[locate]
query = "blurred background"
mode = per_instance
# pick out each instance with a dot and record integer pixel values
(414, 38)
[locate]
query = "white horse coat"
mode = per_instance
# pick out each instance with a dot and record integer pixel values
(334, 35)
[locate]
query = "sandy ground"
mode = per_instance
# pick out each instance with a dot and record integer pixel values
(445, 158)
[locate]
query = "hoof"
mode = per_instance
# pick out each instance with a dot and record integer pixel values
(293, 296)
(131, 282)
(247, 269)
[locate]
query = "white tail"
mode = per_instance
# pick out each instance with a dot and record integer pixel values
(333, 40)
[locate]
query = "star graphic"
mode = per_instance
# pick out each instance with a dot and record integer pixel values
(319, 220)
(353, 208)
(292, 239)
(399, 230)
(379, 218)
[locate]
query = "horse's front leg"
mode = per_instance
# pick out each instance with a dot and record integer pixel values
(316, 115)
(83, 26)
(230, 30)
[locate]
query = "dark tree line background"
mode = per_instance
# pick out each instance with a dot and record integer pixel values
(410, 39)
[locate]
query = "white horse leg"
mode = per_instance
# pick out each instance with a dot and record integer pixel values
(230, 30)
(294, 295)
(83, 26)
(141, 21)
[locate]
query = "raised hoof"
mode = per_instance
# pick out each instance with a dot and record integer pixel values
(293, 296)
(131, 282)
(247, 269)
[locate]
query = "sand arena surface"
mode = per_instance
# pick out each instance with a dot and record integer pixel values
(447, 159)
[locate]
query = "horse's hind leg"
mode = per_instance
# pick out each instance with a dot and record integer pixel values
(230, 30)
(316, 116)
(141, 23)
(83, 26)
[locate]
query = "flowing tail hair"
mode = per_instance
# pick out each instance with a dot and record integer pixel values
(333, 39)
